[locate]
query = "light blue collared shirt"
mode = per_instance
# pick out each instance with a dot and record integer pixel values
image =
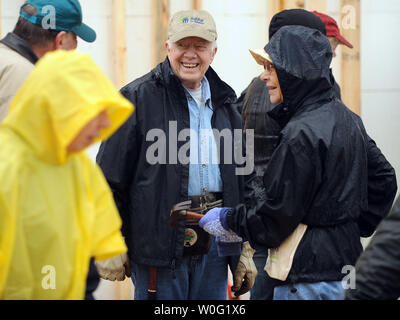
(204, 173)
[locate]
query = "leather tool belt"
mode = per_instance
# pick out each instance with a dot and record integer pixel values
(197, 241)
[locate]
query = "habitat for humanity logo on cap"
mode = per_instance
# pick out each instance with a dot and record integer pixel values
(59, 15)
(193, 20)
(192, 23)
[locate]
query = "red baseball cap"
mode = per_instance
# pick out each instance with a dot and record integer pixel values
(332, 29)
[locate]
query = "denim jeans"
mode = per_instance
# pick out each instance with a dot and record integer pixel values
(310, 291)
(263, 288)
(194, 278)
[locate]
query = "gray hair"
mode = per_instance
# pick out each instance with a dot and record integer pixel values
(213, 44)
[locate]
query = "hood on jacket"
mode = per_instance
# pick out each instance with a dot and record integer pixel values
(64, 92)
(302, 58)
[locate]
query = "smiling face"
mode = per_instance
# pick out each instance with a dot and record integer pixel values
(270, 77)
(190, 58)
(89, 132)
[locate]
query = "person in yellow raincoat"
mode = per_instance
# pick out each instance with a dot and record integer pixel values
(56, 209)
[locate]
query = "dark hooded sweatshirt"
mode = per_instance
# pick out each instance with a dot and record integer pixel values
(318, 174)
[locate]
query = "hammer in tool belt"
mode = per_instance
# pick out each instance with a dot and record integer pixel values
(180, 212)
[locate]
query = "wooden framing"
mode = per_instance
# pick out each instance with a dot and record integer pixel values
(274, 6)
(124, 290)
(197, 4)
(293, 4)
(161, 16)
(351, 64)
(316, 5)
(119, 43)
(119, 59)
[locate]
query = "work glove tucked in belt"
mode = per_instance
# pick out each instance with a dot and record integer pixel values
(115, 268)
(246, 271)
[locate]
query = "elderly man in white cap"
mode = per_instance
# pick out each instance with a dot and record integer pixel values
(164, 155)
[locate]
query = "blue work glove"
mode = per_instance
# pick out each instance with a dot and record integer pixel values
(214, 222)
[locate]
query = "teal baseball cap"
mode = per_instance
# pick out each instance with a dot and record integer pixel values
(59, 15)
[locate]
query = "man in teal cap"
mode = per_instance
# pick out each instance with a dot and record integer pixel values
(43, 26)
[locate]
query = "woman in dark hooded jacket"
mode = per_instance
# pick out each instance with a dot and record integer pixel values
(316, 181)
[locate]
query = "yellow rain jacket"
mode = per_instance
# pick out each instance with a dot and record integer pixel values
(56, 209)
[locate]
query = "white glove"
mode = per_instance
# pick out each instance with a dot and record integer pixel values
(115, 268)
(246, 271)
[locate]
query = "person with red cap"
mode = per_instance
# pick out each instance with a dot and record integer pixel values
(332, 32)
(335, 38)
